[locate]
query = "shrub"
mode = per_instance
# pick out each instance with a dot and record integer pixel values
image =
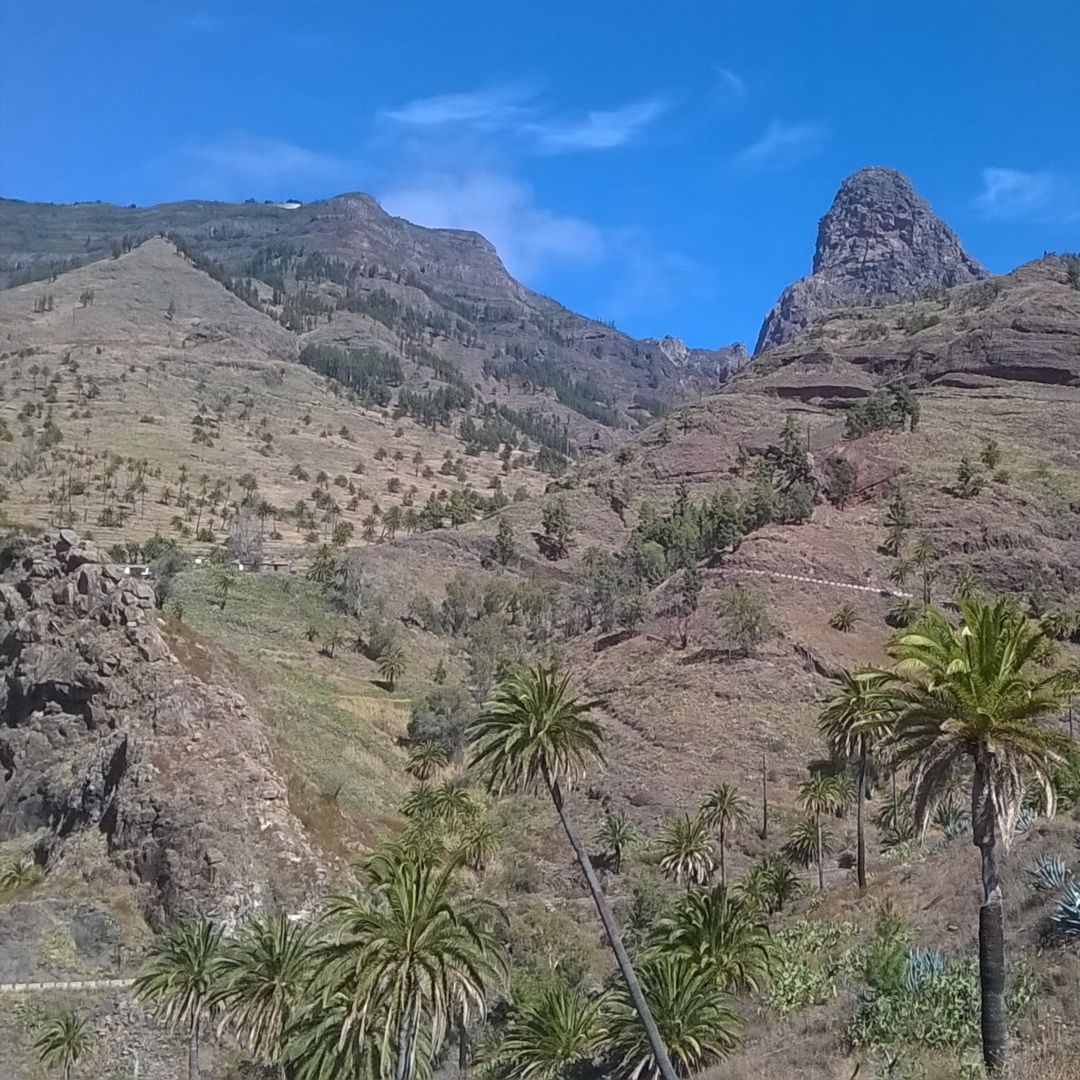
(1049, 874)
(844, 619)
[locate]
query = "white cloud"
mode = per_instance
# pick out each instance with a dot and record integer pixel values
(1044, 196)
(732, 82)
(528, 237)
(599, 130)
(780, 146)
(514, 113)
(492, 108)
(242, 166)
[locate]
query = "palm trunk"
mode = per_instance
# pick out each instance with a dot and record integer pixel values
(764, 801)
(193, 1051)
(723, 873)
(608, 919)
(860, 842)
(995, 1020)
(820, 855)
(404, 1058)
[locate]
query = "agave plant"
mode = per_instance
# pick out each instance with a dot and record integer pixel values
(1065, 918)
(844, 619)
(20, 873)
(923, 964)
(952, 819)
(1049, 874)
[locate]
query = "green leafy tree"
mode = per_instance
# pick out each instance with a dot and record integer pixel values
(856, 720)
(178, 980)
(746, 618)
(222, 581)
(63, 1042)
(503, 548)
(533, 733)
(263, 977)
(977, 695)
(722, 809)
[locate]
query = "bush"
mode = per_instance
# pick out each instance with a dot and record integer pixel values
(441, 716)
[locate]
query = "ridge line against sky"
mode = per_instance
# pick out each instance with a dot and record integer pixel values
(658, 163)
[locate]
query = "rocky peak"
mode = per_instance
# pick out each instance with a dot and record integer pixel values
(879, 241)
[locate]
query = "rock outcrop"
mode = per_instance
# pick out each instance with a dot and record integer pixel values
(880, 242)
(103, 731)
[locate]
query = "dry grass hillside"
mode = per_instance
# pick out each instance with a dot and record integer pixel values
(685, 703)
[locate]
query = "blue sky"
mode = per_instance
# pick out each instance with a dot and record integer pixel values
(662, 164)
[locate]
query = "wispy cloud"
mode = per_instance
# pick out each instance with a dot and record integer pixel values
(517, 115)
(529, 238)
(597, 130)
(492, 108)
(243, 166)
(780, 146)
(732, 83)
(1010, 194)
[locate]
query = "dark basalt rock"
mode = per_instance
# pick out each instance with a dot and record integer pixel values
(879, 242)
(102, 730)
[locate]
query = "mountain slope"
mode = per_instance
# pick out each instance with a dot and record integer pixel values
(439, 290)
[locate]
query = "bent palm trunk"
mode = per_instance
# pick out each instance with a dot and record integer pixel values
(995, 1021)
(608, 919)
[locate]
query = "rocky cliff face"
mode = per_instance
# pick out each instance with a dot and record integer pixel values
(103, 731)
(880, 242)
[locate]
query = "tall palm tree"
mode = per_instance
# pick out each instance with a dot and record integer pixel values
(532, 733)
(855, 720)
(685, 844)
(977, 695)
(722, 809)
(817, 795)
(262, 978)
(177, 980)
(63, 1041)
(408, 956)
(693, 1013)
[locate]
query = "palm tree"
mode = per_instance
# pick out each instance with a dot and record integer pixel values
(723, 936)
(818, 797)
(770, 883)
(334, 640)
(478, 843)
(692, 1012)
(392, 664)
(408, 957)
(533, 732)
(63, 1041)
(810, 841)
(551, 1032)
(616, 833)
(426, 759)
(177, 980)
(978, 695)
(686, 849)
(263, 977)
(855, 720)
(721, 809)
